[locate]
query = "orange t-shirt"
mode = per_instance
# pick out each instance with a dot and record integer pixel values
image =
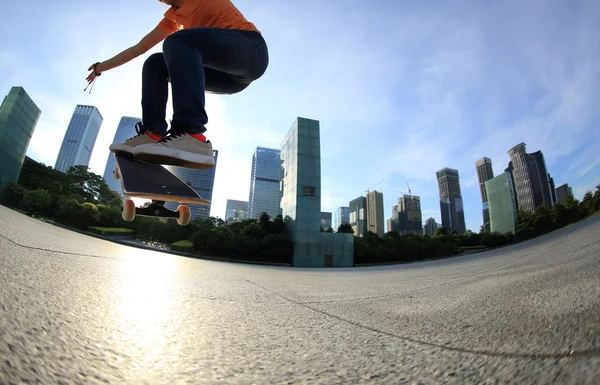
(205, 13)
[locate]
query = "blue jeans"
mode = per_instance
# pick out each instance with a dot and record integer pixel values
(195, 60)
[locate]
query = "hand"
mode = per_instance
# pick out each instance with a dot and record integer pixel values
(95, 72)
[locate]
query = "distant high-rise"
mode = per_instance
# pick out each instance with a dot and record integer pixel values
(325, 221)
(531, 179)
(202, 181)
(541, 179)
(502, 203)
(79, 140)
(264, 183)
(451, 204)
(430, 227)
(484, 173)
(18, 117)
(236, 211)
(125, 130)
(406, 216)
(341, 215)
(562, 192)
(375, 216)
(358, 215)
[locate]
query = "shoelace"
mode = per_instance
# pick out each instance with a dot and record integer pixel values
(139, 129)
(170, 136)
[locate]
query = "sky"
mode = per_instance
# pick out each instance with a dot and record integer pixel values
(401, 88)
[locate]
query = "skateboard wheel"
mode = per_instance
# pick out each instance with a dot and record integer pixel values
(128, 210)
(116, 173)
(185, 215)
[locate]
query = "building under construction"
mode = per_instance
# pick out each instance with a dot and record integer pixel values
(406, 216)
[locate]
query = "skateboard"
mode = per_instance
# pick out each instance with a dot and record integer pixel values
(153, 181)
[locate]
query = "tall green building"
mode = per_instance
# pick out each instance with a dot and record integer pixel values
(18, 118)
(301, 201)
(502, 203)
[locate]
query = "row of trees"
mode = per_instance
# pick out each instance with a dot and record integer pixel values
(81, 199)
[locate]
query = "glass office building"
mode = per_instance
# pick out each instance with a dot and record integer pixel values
(80, 138)
(18, 117)
(236, 211)
(562, 192)
(301, 201)
(264, 183)
(202, 181)
(502, 203)
(125, 130)
(340, 216)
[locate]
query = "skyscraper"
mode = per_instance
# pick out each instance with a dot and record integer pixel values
(341, 215)
(375, 216)
(541, 180)
(358, 215)
(430, 227)
(301, 200)
(79, 140)
(484, 173)
(236, 211)
(406, 216)
(503, 204)
(125, 130)
(531, 179)
(18, 117)
(264, 183)
(451, 205)
(202, 181)
(562, 192)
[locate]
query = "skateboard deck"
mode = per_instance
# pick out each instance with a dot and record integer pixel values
(153, 181)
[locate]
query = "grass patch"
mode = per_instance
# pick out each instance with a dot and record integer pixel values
(108, 231)
(183, 245)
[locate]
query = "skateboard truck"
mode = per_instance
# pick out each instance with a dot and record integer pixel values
(155, 209)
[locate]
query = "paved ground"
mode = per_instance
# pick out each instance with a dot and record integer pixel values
(75, 309)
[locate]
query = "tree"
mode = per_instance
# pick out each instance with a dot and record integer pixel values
(16, 192)
(264, 221)
(38, 201)
(345, 228)
(278, 225)
(587, 204)
(559, 215)
(441, 231)
(89, 185)
(116, 201)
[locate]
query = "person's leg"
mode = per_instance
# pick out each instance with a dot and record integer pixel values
(155, 93)
(155, 79)
(217, 60)
(228, 57)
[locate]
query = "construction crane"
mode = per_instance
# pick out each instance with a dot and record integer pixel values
(409, 193)
(370, 188)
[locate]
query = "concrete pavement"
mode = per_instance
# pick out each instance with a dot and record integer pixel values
(76, 309)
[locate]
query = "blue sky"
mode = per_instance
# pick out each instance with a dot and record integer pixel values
(401, 88)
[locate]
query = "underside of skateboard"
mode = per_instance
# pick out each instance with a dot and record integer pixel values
(155, 209)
